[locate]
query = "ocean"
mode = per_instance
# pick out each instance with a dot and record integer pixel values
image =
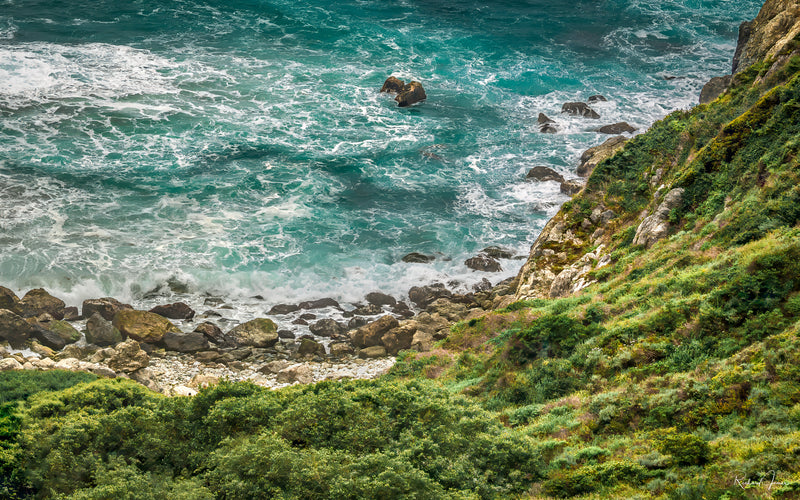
(159, 150)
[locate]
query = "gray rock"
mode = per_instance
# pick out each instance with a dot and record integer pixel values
(548, 128)
(286, 334)
(101, 332)
(327, 328)
(424, 295)
(579, 109)
(106, 307)
(596, 98)
(185, 342)
(543, 174)
(341, 349)
(38, 301)
(14, 329)
(617, 128)
(260, 332)
(543, 119)
(212, 333)
(48, 338)
(177, 310)
(380, 299)
(484, 263)
(283, 309)
(319, 304)
(656, 226)
(418, 258)
(274, 367)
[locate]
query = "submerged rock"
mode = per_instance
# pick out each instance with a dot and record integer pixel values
(579, 109)
(543, 174)
(617, 128)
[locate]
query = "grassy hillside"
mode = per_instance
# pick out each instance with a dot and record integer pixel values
(674, 374)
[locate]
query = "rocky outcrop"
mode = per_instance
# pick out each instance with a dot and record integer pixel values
(177, 310)
(714, 88)
(656, 226)
(392, 85)
(422, 296)
(370, 335)
(770, 33)
(39, 301)
(594, 155)
(546, 125)
(579, 109)
(617, 128)
(143, 326)
(412, 93)
(8, 299)
(106, 307)
(101, 332)
(543, 174)
(572, 186)
(260, 332)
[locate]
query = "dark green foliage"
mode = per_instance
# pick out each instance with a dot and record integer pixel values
(686, 449)
(592, 477)
(18, 385)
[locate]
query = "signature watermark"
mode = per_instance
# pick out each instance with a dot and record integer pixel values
(768, 479)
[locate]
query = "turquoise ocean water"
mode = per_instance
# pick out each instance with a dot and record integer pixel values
(243, 148)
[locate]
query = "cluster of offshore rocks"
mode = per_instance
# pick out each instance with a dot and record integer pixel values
(112, 339)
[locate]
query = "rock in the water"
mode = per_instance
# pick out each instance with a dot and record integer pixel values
(482, 262)
(143, 326)
(714, 88)
(544, 174)
(128, 357)
(48, 338)
(380, 299)
(283, 309)
(38, 301)
(548, 128)
(365, 310)
(327, 328)
(8, 299)
(617, 128)
(543, 119)
(106, 307)
(298, 373)
(320, 304)
(424, 295)
(496, 252)
(398, 338)
(597, 98)
(260, 332)
(418, 258)
(579, 109)
(9, 364)
(212, 333)
(102, 332)
(411, 93)
(393, 85)
(66, 331)
(177, 310)
(356, 322)
(370, 334)
(309, 347)
(14, 329)
(185, 342)
(286, 334)
(372, 352)
(71, 314)
(594, 155)
(656, 226)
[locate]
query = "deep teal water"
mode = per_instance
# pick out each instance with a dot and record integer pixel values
(244, 149)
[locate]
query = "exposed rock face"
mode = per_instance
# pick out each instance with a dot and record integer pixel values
(714, 88)
(260, 332)
(411, 93)
(617, 128)
(143, 326)
(101, 332)
(418, 258)
(185, 342)
(128, 357)
(38, 301)
(579, 109)
(594, 155)
(212, 333)
(744, 34)
(544, 174)
(370, 335)
(106, 307)
(327, 328)
(773, 29)
(177, 310)
(14, 329)
(424, 295)
(656, 226)
(484, 263)
(572, 186)
(392, 85)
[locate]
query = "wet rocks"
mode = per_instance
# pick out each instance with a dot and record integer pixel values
(380, 299)
(546, 125)
(496, 252)
(579, 109)
(411, 93)
(422, 296)
(283, 309)
(48, 338)
(484, 263)
(319, 304)
(596, 98)
(185, 342)
(177, 310)
(327, 328)
(106, 307)
(543, 174)
(594, 155)
(370, 334)
(212, 333)
(38, 301)
(101, 332)
(14, 329)
(418, 258)
(67, 332)
(617, 128)
(392, 85)
(260, 332)
(142, 325)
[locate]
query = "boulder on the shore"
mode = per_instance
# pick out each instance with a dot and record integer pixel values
(310, 347)
(380, 299)
(102, 332)
(411, 93)
(274, 367)
(398, 338)
(424, 295)
(259, 332)
(14, 329)
(393, 85)
(370, 334)
(177, 310)
(298, 373)
(365, 310)
(8, 299)
(48, 338)
(543, 174)
(327, 328)
(594, 155)
(617, 128)
(320, 304)
(185, 342)
(484, 263)
(38, 301)
(212, 333)
(66, 331)
(128, 357)
(71, 313)
(143, 326)
(579, 109)
(8, 364)
(372, 352)
(714, 88)
(106, 307)
(341, 349)
(417, 258)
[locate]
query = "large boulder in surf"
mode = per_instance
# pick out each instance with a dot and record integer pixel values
(543, 174)
(106, 307)
(38, 301)
(579, 109)
(483, 262)
(393, 85)
(412, 93)
(100, 331)
(259, 332)
(422, 296)
(143, 326)
(177, 310)
(617, 128)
